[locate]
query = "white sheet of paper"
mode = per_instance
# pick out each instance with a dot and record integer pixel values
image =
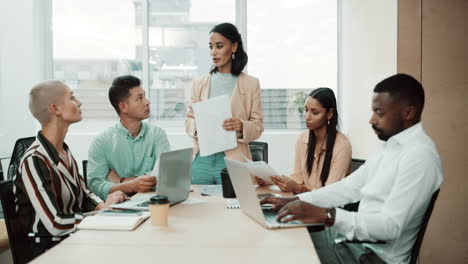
(232, 204)
(155, 171)
(209, 117)
(261, 169)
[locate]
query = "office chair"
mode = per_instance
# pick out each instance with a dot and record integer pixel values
(1, 169)
(17, 236)
(259, 151)
(355, 164)
(421, 232)
(85, 171)
(20, 148)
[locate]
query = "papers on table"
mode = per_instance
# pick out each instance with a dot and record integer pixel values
(261, 169)
(211, 190)
(232, 204)
(209, 117)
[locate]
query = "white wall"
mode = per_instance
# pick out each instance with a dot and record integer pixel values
(368, 55)
(21, 66)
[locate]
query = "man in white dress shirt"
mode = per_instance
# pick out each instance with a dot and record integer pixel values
(394, 186)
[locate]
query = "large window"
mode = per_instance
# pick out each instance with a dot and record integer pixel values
(291, 47)
(94, 42)
(178, 52)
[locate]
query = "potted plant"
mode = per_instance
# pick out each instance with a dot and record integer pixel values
(297, 102)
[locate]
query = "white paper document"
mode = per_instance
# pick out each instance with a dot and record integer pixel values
(155, 171)
(232, 204)
(261, 169)
(209, 118)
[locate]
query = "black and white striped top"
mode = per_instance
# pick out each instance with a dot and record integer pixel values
(51, 196)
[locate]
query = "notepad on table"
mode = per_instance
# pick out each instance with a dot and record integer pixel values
(113, 222)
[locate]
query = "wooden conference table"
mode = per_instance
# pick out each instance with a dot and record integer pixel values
(204, 232)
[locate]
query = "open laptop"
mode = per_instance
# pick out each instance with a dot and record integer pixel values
(248, 201)
(174, 178)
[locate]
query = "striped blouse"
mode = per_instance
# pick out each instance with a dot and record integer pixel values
(51, 196)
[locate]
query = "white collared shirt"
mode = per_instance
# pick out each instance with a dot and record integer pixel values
(394, 188)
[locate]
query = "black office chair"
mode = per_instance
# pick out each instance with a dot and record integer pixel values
(17, 236)
(85, 171)
(20, 148)
(421, 232)
(355, 164)
(1, 168)
(259, 151)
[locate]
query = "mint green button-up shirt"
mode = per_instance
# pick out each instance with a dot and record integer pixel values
(116, 149)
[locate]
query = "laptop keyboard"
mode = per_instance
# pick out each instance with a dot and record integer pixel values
(270, 219)
(270, 216)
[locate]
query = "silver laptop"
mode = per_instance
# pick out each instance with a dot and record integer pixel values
(174, 178)
(248, 201)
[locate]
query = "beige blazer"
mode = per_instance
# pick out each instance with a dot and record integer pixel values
(245, 105)
(339, 167)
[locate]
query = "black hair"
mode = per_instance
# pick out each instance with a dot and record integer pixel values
(230, 32)
(403, 88)
(120, 89)
(326, 97)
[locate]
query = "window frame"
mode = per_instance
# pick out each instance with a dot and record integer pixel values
(46, 40)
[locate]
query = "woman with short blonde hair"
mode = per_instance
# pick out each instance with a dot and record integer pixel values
(50, 194)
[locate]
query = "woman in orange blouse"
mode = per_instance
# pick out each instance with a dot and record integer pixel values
(323, 154)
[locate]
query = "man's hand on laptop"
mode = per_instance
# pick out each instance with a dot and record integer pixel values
(302, 211)
(143, 183)
(277, 202)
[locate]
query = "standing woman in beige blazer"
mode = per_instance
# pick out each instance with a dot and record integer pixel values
(323, 154)
(226, 77)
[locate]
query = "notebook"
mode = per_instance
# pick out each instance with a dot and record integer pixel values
(115, 221)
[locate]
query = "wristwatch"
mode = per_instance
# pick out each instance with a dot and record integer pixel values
(331, 213)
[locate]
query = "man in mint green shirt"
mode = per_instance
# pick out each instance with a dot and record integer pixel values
(123, 156)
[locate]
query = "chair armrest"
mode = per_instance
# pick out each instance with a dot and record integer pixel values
(361, 242)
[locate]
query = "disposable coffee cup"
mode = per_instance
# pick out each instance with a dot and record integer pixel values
(228, 190)
(159, 209)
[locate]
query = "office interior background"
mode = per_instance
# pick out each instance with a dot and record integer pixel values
(293, 47)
